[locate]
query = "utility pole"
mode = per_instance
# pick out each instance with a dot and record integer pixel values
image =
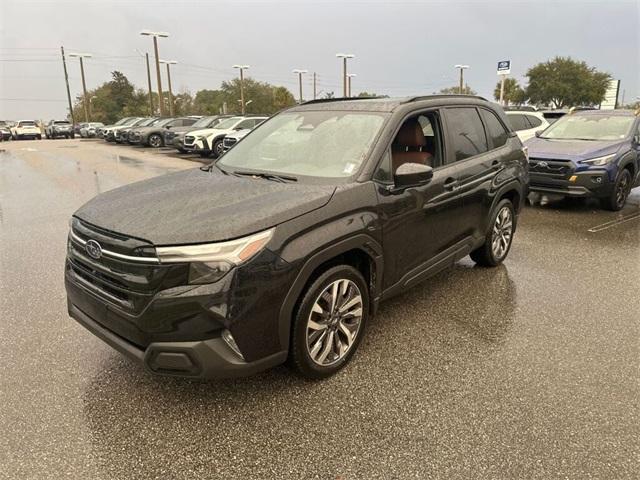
(169, 62)
(155, 36)
(149, 82)
(300, 73)
(344, 57)
(66, 80)
(85, 101)
(349, 77)
(242, 68)
(314, 85)
(462, 69)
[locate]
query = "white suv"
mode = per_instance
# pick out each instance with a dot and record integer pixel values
(26, 129)
(526, 123)
(209, 140)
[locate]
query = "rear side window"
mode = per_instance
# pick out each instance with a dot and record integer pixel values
(245, 124)
(534, 121)
(518, 122)
(187, 122)
(466, 132)
(495, 130)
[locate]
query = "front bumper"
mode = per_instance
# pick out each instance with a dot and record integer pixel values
(211, 358)
(585, 184)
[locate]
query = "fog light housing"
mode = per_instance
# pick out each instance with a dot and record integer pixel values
(230, 341)
(597, 179)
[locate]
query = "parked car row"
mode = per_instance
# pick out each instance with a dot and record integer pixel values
(202, 135)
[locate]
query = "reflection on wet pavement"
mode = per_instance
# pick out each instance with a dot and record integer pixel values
(529, 370)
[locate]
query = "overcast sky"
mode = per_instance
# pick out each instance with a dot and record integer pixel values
(401, 47)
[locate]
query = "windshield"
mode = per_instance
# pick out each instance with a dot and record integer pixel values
(143, 122)
(28, 123)
(317, 143)
(227, 123)
(122, 120)
(161, 122)
(589, 127)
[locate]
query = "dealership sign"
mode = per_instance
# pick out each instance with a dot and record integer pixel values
(611, 96)
(504, 67)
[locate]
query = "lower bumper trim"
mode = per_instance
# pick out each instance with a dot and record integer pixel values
(211, 358)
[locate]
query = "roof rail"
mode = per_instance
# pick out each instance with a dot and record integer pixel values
(338, 99)
(442, 95)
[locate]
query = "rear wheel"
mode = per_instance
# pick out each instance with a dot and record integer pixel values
(329, 322)
(155, 141)
(498, 240)
(618, 197)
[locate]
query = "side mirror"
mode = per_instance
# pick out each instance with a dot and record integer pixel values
(636, 139)
(412, 175)
(538, 133)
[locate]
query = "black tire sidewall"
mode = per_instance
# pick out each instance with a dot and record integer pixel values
(298, 354)
(613, 200)
(217, 145)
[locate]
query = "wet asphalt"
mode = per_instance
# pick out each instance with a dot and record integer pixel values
(529, 370)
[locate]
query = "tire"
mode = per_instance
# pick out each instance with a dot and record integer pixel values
(204, 154)
(618, 197)
(155, 141)
(499, 237)
(217, 149)
(39, 137)
(73, 135)
(47, 136)
(313, 352)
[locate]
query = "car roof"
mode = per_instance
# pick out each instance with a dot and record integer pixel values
(387, 104)
(617, 113)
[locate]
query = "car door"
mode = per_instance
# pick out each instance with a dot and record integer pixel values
(478, 157)
(418, 222)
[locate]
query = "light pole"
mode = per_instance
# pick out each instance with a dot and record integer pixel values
(84, 84)
(242, 68)
(462, 68)
(155, 36)
(349, 77)
(167, 63)
(146, 57)
(300, 73)
(344, 57)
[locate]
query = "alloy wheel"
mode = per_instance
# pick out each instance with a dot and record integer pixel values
(502, 233)
(623, 189)
(155, 141)
(334, 322)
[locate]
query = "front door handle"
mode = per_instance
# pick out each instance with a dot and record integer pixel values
(450, 184)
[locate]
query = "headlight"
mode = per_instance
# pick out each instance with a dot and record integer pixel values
(211, 261)
(599, 160)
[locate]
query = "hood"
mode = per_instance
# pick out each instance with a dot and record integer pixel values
(194, 206)
(571, 149)
(205, 132)
(239, 134)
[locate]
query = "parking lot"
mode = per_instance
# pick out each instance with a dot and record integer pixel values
(529, 370)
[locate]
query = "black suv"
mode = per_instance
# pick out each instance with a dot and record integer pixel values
(283, 248)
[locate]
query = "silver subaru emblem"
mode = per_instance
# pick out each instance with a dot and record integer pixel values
(543, 164)
(94, 249)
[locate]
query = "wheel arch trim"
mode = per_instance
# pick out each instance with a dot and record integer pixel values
(365, 243)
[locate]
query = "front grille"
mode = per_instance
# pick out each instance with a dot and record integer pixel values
(229, 142)
(126, 284)
(188, 140)
(551, 167)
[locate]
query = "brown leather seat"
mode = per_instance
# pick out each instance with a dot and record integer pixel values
(409, 144)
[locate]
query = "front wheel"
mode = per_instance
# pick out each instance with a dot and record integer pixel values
(618, 197)
(329, 322)
(39, 137)
(217, 149)
(155, 141)
(498, 240)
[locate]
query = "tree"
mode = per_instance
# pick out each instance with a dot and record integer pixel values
(456, 90)
(208, 102)
(565, 82)
(368, 94)
(264, 97)
(513, 92)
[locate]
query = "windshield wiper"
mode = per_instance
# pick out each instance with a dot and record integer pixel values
(268, 176)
